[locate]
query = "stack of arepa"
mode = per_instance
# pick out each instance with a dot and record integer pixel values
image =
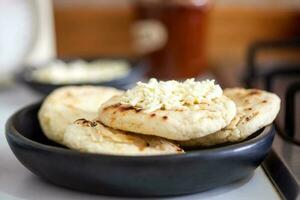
(158, 117)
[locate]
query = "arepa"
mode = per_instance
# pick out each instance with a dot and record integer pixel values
(255, 109)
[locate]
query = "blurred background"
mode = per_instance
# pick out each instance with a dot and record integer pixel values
(46, 44)
(176, 38)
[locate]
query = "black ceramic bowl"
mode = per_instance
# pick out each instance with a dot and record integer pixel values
(138, 68)
(166, 175)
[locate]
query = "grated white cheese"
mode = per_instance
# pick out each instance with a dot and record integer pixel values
(171, 95)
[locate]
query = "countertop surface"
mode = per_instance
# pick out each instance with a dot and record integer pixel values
(16, 182)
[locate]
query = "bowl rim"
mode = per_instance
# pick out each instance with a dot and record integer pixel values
(11, 131)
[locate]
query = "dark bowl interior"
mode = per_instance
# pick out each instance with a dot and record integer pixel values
(166, 175)
(138, 69)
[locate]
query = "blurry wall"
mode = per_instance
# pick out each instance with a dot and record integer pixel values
(93, 27)
(99, 27)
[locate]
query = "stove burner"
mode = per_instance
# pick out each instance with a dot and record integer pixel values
(277, 71)
(290, 110)
(283, 163)
(252, 71)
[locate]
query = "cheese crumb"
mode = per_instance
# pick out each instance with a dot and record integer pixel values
(171, 95)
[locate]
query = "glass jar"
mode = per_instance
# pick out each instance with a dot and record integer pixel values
(181, 53)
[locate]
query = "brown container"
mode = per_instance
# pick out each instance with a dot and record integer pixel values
(182, 55)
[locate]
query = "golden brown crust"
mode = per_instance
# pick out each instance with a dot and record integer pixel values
(256, 109)
(170, 124)
(64, 105)
(94, 137)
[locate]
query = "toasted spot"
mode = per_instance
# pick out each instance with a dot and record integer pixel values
(85, 122)
(81, 120)
(93, 124)
(256, 113)
(254, 92)
(125, 108)
(165, 117)
(106, 108)
(251, 116)
(115, 105)
(112, 106)
(264, 101)
(153, 115)
(138, 110)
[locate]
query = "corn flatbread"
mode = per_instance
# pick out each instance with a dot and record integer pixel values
(211, 116)
(255, 109)
(65, 105)
(93, 137)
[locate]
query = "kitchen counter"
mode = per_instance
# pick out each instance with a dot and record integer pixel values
(16, 182)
